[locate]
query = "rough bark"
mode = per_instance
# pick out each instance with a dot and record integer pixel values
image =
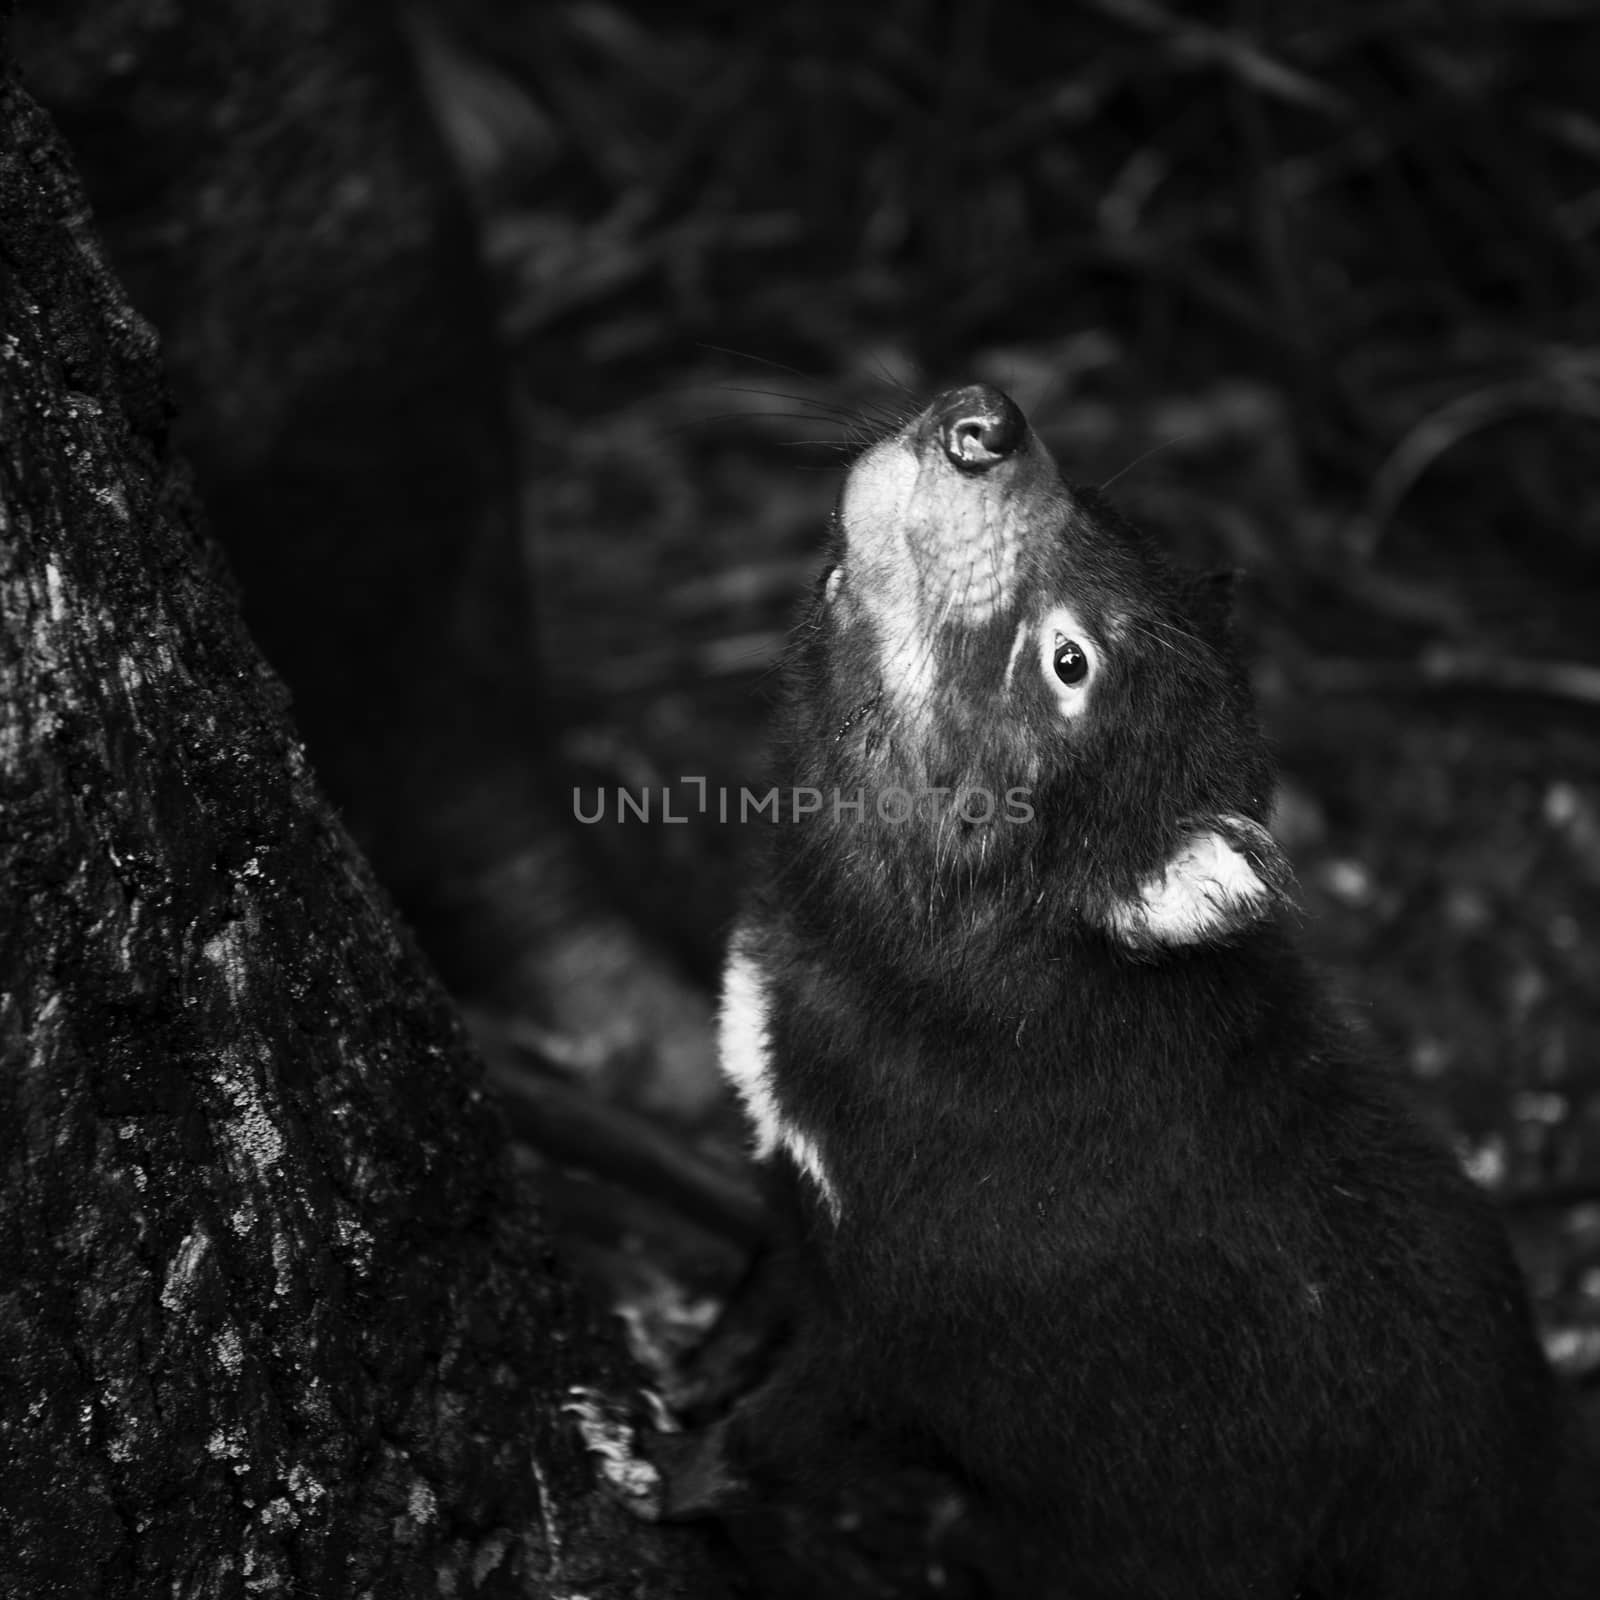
(274, 193)
(273, 1319)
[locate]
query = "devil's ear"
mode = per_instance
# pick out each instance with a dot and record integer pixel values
(1211, 600)
(1225, 874)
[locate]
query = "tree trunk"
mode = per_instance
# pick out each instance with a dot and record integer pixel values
(274, 194)
(275, 1319)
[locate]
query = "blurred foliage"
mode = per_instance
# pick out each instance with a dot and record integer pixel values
(1383, 205)
(1316, 285)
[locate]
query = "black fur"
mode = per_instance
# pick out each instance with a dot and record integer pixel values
(1136, 1244)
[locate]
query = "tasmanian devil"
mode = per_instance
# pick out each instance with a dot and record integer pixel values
(1098, 1207)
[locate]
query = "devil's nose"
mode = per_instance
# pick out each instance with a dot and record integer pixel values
(977, 426)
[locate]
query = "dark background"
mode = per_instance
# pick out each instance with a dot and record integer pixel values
(1314, 286)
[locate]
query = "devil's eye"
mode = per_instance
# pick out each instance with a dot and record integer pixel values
(1069, 659)
(1070, 662)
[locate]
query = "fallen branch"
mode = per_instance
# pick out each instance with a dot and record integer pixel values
(1445, 668)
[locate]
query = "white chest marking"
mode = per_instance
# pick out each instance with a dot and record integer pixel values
(744, 1054)
(1208, 889)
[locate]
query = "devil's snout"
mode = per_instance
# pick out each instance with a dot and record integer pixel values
(977, 426)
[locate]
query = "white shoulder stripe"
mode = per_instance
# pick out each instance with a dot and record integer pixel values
(742, 1046)
(744, 1053)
